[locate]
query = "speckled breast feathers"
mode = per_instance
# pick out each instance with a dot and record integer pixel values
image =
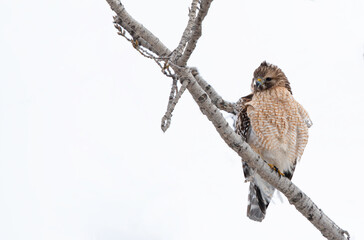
(277, 121)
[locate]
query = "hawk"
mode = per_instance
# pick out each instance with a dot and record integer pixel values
(276, 126)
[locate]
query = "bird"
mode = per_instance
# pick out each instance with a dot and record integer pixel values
(275, 126)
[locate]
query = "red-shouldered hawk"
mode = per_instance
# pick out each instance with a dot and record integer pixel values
(276, 126)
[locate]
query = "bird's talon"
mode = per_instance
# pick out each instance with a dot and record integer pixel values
(166, 66)
(275, 169)
(135, 43)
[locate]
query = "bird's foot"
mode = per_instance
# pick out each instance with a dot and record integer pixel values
(275, 169)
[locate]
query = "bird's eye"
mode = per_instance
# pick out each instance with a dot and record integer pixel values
(268, 79)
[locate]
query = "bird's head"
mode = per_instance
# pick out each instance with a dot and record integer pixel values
(268, 76)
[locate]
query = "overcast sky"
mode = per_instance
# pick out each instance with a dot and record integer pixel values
(82, 155)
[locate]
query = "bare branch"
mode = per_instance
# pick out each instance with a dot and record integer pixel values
(300, 200)
(166, 119)
(174, 96)
(143, 47)
(187, 33)
(191, 33)
(197, 32)
(137, 30)
(216, 99)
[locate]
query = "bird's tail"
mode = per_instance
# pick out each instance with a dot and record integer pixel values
(260, 195)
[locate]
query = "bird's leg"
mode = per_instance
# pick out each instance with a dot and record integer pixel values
(275, 169)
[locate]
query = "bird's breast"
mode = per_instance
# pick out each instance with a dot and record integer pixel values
(278, 132)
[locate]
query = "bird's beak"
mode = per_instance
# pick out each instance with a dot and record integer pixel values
(259, 81)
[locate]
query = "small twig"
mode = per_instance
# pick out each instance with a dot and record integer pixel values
(134, 34)
(174, 96)
(144, 51)
(166, 119)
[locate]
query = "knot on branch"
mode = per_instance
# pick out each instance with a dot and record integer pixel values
(202, 98)
(297, 197)
(194, 71)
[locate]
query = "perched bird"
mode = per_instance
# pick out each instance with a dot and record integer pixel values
(276, 126)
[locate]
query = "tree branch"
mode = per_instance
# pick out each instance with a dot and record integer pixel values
(187, 33)
(174, 96)
(208, 107)
(216, 99)
(196, 32)
(138, 31)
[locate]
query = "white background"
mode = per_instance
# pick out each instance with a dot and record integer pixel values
(82, 155)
